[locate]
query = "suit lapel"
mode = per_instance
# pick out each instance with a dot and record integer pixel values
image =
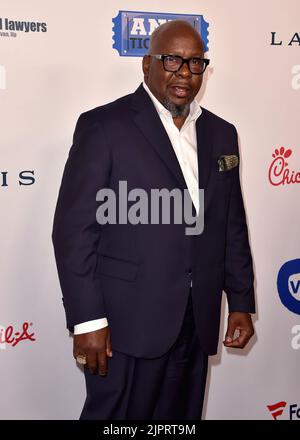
(148, 121)
(204, 149)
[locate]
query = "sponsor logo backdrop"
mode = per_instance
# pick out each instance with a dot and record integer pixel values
(58, 59)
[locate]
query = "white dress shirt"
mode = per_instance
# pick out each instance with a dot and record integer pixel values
(184, 143)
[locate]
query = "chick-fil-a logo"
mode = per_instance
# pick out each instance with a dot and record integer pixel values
(8, 336)
(279, 172)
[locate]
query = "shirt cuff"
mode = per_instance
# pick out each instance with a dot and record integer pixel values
(90, 326)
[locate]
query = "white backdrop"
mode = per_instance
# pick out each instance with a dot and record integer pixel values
(46, 80)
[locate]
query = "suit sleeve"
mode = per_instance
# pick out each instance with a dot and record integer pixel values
(76, 233)
(238, 260)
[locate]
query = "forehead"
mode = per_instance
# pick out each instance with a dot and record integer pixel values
(182, 42)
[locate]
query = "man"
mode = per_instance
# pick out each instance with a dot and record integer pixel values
(143, 300)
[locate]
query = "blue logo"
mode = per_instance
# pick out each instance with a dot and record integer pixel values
(288, 284)
(132, 30)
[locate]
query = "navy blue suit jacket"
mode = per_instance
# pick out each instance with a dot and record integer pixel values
(138, 276)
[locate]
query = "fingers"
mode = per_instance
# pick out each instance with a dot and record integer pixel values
(96, 362)
(242, 323)
(94, 348)
(229, 333)
(92, 362)
(108, 345)
(102, 367)
(239, 342)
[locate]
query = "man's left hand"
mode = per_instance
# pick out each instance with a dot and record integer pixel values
(241, 322)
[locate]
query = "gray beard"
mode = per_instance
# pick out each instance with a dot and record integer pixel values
(176, 110)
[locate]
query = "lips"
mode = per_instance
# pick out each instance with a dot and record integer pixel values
(180, 90)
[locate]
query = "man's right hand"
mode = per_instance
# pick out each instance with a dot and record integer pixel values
(95, 346)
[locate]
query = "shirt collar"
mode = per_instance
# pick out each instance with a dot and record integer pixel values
(195, 109)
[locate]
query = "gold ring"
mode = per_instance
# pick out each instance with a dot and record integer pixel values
(81, 359)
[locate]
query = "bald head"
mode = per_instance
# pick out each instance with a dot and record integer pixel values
(170, 31)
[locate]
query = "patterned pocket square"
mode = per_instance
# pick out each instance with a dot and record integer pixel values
(227, 162)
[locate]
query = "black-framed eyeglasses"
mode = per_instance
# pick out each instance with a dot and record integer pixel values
(173, 63)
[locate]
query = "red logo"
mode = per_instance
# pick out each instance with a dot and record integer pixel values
(9, 336)
(277, 409)
(279, 172)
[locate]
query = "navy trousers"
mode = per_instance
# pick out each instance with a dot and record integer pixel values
(169, 387)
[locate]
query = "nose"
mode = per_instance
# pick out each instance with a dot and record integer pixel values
(184, 70)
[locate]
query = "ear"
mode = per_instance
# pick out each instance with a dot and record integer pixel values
(146, 65)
